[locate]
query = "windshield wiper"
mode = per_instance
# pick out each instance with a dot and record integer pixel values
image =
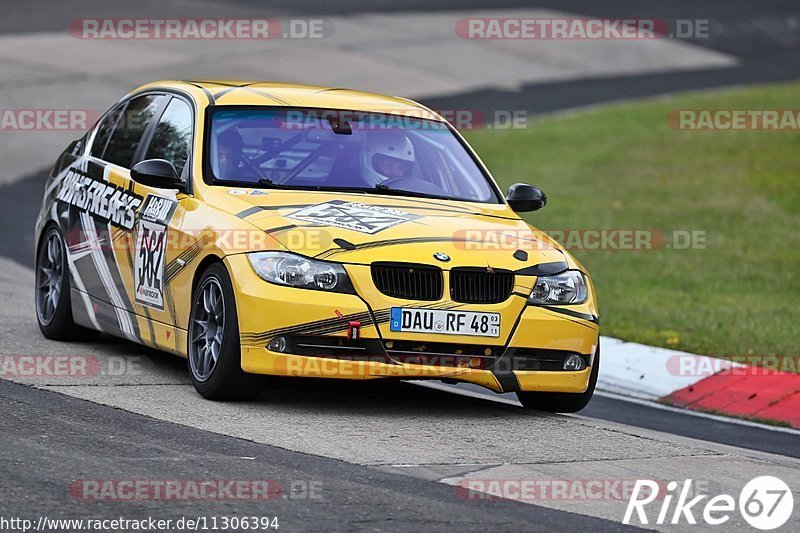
(377, 189)
(380, 188)
(269, 184)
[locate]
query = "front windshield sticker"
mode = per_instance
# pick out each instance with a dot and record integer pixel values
(354, 216)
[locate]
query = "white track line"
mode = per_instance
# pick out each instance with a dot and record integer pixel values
(499, 399)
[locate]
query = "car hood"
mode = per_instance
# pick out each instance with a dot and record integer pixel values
(362, 229)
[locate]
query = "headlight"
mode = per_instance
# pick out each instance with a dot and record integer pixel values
(297, 271)
(566, 288)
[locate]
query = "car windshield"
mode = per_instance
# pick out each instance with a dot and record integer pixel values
(337, 150)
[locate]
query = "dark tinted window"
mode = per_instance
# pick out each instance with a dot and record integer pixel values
(104, 131)
(173, 136)
(130, 128)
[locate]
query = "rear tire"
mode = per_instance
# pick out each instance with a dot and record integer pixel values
(562, 402)
(52, 291)
(215, 356)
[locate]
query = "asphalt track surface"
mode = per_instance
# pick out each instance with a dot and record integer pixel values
(49, 439)
(68, 438)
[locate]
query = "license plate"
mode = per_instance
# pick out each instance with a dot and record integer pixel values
(446, 322)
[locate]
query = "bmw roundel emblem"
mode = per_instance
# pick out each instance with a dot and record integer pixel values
(440, 256)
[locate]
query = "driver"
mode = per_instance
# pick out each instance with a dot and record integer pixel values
(389, 156)
(229, 154)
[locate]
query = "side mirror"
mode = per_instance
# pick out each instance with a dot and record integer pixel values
(523, 197)
(158, 173)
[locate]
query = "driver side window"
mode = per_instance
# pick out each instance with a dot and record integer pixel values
(130, 128)
(172, 139)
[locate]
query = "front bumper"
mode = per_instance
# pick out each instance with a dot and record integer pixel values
(525, 358)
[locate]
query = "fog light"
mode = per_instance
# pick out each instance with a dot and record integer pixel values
(278, 344)
(574, 362)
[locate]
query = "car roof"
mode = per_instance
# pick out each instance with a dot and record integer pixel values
(260, 93)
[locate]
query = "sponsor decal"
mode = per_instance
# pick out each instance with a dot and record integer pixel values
(258, 192)
(237, 192)
(102, 200)
(150, 260)
(363, 218)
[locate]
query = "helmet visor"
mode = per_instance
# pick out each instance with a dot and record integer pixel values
(391, 167)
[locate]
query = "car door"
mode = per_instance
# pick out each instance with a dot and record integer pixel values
(159, 241)
(101, 214)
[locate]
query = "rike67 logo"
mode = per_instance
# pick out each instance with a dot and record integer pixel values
(765, 503)
(151, 240)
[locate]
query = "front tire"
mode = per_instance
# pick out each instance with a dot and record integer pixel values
(52, 296)
(562, 402)
(214, 348)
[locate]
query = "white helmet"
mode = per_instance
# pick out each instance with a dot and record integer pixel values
(388, 156)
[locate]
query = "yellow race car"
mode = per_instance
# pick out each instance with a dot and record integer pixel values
(259, 228)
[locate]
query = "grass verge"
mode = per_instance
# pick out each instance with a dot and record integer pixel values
(623, 167)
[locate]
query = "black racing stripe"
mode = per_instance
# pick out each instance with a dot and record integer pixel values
(313, 327)
(173, 314)
(344, 244)
(570, 312)
(290, 226)
(389, 242)
(208, 94)
(263, 338)
(135, 304)
(250, 211)
(95, 170)
(258, 208)
(108, 320)
(332, 325)
(218, 83)
(282, 228)
(508, 380)
(536, 270)
(116, 272)
(543, 269)
(265, 94)
(189, 255)
(579, 323)
(225, 91)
